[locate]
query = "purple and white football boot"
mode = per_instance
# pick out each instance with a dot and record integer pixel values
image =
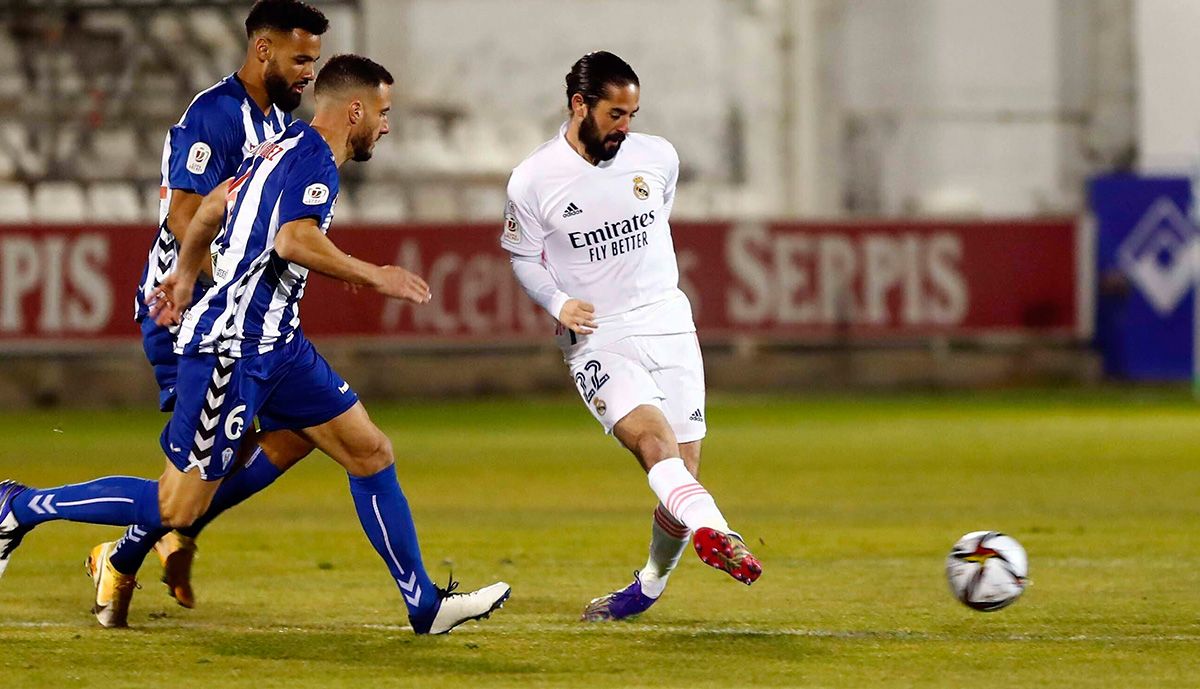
(619, 605)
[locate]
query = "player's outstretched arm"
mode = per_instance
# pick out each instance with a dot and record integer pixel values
(174, 295)
(302, 241)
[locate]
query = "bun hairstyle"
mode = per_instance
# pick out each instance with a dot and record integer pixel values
(594, 73)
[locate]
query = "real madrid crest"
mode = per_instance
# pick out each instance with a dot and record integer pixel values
(640, 188)
(600, 406)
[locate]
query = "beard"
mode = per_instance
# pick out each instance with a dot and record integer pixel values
(362, 145)
(280, 92)
(594, 144)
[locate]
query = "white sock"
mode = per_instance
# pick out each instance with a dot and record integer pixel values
(668, 539)
(684, 497)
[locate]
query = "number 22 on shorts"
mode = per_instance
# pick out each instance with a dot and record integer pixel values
(589, 386)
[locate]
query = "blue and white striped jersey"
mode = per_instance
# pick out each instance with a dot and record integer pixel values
(219, 128)
(254, 307)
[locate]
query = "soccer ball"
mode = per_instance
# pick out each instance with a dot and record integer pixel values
(987, 570)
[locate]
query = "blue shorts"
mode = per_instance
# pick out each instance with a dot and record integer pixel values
(159, 345)
(292, 387)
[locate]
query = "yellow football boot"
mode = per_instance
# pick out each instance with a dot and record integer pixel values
(176, 552)
(114, 590)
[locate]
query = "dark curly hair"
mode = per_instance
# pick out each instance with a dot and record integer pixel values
(285, 15)
(350, 71)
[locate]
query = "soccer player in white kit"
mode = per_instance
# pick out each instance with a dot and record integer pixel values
(587, 229)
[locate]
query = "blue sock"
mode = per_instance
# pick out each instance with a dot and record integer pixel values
(115, 500)
(387, 521)
(131, 551)
(256, 475)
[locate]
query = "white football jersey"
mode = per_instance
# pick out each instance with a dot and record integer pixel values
(603, 233)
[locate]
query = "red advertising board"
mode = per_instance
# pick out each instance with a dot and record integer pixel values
(793, 281)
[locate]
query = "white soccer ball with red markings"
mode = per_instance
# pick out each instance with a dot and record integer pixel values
(987, 570)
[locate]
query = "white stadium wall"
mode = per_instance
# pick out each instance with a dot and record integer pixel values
(789, 108)
(972, 92)
(983, 107)
(779, 108)
(1168, 73)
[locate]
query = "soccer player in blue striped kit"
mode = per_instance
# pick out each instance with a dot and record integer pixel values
(243, 354)
(220, 127)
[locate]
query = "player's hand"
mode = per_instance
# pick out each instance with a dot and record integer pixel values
(579, 316)
(168, 302)
(398, 283)
(350, 287)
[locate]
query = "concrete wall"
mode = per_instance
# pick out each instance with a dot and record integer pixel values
(796, 107)
(980, 107)
(502, 65)
(1168, 73)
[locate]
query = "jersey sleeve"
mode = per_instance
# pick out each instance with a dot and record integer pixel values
(672, 181)
(205, 150)
(523, 233)
(539, 284)
(310, 190)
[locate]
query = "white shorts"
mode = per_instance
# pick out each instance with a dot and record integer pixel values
(666, 371)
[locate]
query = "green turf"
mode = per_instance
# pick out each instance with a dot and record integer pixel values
(852, 503)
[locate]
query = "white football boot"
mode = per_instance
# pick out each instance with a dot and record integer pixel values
(456, 608)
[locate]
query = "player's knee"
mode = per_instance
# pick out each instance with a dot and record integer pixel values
(177, 514)
(381, 456)
(179, 508)
(373, 457)
(385, 449)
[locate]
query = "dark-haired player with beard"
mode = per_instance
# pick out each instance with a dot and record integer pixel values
(587, 229)
(243, 354)
(221, 125)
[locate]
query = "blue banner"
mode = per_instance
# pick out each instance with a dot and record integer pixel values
(1145, 245)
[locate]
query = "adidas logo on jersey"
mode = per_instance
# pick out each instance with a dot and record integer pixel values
(697, 416)
(572, 209)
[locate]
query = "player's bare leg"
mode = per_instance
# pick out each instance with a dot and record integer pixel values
(647, 434)
(673, 469)
(668, 537)
(176, 550)
(356, 443)
(181, 497)
(690, 452)
(113, 566)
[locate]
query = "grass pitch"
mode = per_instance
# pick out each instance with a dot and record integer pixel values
(852, 504)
